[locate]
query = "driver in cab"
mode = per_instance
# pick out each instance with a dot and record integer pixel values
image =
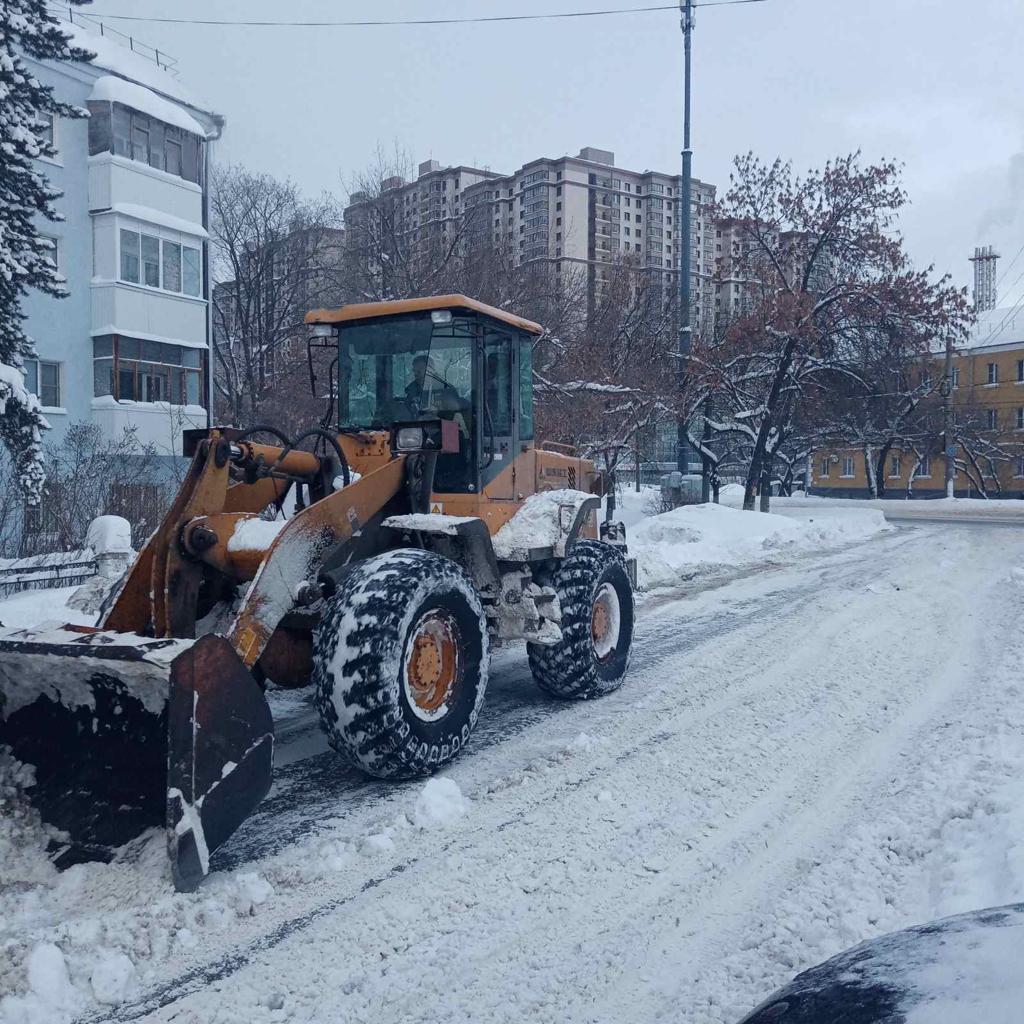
(427, 392)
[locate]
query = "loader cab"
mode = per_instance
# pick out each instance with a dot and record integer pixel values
(448, 358)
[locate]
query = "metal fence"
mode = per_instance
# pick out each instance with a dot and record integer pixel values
(43, 572)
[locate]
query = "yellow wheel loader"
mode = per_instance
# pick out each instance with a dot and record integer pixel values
(425, 527)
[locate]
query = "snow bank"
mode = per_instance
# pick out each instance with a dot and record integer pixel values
(633, 507)
(32, 608)
(671, 545)
(255, 534)
(50, 996)
(23, 837)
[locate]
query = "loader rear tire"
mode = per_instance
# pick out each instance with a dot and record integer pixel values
(596, 600)
(400, 664)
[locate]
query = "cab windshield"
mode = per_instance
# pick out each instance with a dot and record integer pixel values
(405, 368)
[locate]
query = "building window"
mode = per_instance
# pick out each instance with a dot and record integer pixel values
(171, 264)
(150, 261)
(160, 263)
(42, 378)
(1020, 417)
(924, 467)
(46, 132)
(894, 466)
(955, 382)
(1020, 466)
(847, 466)
(130, 256)
(115, 128)
(54, 252)
(146, 371)
(992, 418)
(993, 373)
(1020, 371)
(826, 468)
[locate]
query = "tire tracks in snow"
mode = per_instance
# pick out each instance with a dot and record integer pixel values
(700, 703)
(309, 791)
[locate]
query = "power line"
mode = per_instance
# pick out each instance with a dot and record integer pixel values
(994, 335)
(1003, 276)
(413, 21)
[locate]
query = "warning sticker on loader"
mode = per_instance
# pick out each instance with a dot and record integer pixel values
(437, 508)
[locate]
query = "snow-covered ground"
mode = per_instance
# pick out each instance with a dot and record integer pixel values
(895, 507)
(823, 748)
(695, 541)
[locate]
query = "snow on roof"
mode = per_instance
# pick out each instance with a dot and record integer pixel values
(115, 57)
(1004, 326)
(118, 90)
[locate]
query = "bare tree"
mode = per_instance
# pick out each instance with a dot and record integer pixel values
(87, 476)
(386, 255)
(614, 377)
(275, 256)
(827, 269)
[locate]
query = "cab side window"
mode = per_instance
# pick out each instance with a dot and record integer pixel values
(526, 389)
(497, 369)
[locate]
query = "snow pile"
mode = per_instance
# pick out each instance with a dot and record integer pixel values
(440, 803)
(633, 507)
(255, 534)
(113, 979)
(544, 519)
(431, 522)
(672, 545)
(50, 996)
(23, 837)
(32, 608)
(109, 535)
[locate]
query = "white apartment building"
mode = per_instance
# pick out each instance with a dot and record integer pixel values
(129, 346)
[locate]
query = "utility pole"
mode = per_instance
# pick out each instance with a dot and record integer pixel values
(948, 426)
(686, 226)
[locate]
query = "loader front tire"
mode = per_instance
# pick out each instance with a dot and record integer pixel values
(400, 664)
(596, 600)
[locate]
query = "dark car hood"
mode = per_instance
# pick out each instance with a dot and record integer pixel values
(968, 968)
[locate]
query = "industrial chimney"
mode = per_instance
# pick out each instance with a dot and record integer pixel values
(984, 260)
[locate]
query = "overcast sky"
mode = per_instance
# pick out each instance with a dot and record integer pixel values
(937, 84)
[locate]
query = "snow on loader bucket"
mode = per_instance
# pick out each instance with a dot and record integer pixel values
(127, 732)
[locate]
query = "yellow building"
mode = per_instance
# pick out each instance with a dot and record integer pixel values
(988, 392)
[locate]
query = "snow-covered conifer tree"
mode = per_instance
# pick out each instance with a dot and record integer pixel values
(26, 28)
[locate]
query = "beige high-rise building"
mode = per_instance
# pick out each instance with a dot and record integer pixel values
(572, 211)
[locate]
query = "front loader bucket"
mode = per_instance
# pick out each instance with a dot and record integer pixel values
(127, 732)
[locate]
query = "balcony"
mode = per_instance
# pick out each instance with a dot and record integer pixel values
(118, 181)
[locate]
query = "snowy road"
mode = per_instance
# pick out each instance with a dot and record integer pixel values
(801, 758)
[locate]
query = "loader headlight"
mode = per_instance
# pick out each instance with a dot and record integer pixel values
(409, 439)
(425, 436)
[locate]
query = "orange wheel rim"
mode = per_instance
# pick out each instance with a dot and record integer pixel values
(432, 663)
(605, 622)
